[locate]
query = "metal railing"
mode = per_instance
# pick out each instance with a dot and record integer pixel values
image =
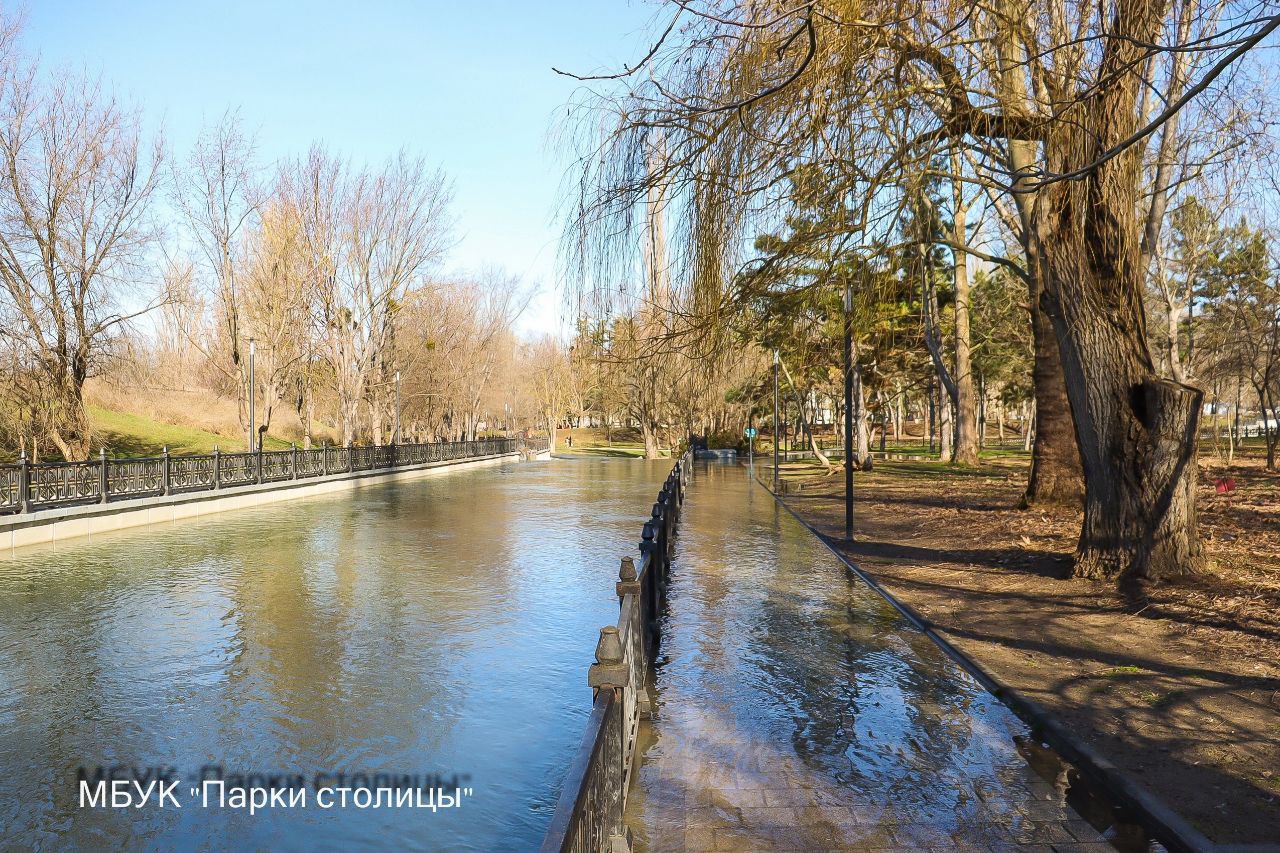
(532, 445)
(588, 817)
(27, 486)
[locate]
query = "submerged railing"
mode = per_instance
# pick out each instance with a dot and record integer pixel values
(533, 445)
(28, 487)
(588, 816)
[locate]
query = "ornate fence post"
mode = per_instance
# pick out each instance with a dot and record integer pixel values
(217, 468)
(293, 461)
(164, 472)
(24, 483)
(667, 517)
(627, 583)
(324, 458)
(102, 475)
(351, 452)
(257, 462)
(659, 541)
(647, 549)
(610, 672)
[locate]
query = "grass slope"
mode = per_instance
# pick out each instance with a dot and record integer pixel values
(135, 435)
(595, 441)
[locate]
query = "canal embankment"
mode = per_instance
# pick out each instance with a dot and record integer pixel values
(77, 500)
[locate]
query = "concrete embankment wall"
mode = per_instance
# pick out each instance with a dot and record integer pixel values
(63, 523)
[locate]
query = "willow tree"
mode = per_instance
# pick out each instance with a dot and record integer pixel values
(1046, 96)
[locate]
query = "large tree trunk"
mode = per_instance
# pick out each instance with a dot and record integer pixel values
(861, 433)
(966, 449)
(1137, 443)
(649, 432)
(946, 427)
(1055, 476)
(70, 432)
(1136, 431)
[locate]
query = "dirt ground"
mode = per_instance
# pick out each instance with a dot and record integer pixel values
(1183, 693)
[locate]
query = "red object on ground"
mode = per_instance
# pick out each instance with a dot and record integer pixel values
(1224, 484)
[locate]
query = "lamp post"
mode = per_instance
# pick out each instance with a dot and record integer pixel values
(253, 432)
(775, 420)
(848, 411)
(395, 436)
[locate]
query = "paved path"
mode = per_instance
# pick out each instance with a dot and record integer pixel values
(796, 710)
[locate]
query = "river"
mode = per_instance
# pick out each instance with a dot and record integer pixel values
(440, 627)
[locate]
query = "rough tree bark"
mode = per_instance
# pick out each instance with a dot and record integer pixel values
(1135, 430)
(1055, 476)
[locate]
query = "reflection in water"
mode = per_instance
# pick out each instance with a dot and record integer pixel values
(440, 626)
(796, 709)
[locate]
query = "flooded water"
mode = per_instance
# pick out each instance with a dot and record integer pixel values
(439, 628)
(796, 709)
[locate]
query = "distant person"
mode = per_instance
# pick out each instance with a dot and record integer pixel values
(569, 439)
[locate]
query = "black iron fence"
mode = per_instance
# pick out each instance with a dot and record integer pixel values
(27, 486)
(588, 817)
(535, 444)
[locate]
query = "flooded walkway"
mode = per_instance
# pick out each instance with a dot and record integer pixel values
(797, 710)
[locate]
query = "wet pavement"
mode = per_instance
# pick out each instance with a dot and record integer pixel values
(795, 709)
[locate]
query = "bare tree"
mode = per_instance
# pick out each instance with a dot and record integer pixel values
(272, 304)
(219, 192)
(372, 238)
(75, 185)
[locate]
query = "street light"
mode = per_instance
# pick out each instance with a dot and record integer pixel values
(253, 433)
(775, 420)
(848, 411)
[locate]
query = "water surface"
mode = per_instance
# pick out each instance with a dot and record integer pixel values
(436, 627)
(796, 709)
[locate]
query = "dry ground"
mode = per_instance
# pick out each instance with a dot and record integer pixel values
(1184, 693)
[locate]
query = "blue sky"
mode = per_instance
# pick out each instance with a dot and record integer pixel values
(467, 85)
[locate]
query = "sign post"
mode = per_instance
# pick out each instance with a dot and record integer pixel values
(751, 445)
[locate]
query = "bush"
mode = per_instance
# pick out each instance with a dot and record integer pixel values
(727, 440)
